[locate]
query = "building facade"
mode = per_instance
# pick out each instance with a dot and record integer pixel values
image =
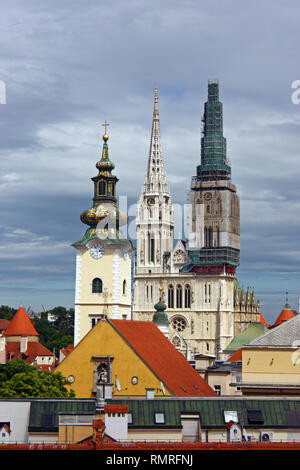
(197, 276)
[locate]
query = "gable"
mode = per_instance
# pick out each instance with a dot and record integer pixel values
(126, 365)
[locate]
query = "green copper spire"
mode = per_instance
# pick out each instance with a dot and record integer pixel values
(214, 164)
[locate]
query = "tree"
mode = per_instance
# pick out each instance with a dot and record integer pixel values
(21, 380)
(7, 312)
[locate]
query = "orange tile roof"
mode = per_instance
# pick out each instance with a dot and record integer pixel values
(168, 364)
(237, 356)
(285, 314)
(21, 325)
(116, 408)
(3, 324)
(34, 350)
(263, 320)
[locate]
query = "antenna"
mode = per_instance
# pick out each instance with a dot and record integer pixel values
(118, 385)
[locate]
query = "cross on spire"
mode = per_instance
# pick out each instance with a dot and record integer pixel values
(105, 126)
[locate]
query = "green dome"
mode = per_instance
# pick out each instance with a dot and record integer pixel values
(160, 317)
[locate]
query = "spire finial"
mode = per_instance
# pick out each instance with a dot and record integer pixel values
(105, 136)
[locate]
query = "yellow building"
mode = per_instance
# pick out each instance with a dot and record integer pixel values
(103, 261)
(271, 362)
(130, 357)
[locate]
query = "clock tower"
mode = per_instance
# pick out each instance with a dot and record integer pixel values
(103, 259)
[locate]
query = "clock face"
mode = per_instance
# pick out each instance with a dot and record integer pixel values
(97, 251)
(151, 201)
(207, 196)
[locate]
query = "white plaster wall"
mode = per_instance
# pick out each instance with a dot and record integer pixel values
(17, 413)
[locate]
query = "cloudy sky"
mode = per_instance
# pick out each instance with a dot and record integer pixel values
(69, 65)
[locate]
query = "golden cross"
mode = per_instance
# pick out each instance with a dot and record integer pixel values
(105, 125)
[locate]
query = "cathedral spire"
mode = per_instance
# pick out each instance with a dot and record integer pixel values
(156, 176)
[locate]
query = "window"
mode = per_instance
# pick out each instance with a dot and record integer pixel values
(179, 323)
(124, 287)
(102, 188)
(130, 418)
(159, 418)
(171, 296)
(255, 416)
(179, 296)
(231, 416)
(217, 389)
(97, 286)
(187, 296)
(48, 419)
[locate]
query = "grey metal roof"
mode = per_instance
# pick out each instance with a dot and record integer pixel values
(285, 334)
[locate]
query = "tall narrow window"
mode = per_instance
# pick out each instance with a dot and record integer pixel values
(179, 296)
(209, 293)
(102, 188)
(124, 287)
(210, 236)
(205, 293)
(187, 296)
(97, 286)
(152, 250)
(205, 237)
(171, 296)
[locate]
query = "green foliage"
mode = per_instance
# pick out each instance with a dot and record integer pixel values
(21, 380)
(60, 333)
(7, 312)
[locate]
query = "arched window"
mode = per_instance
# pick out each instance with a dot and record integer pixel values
(171, 296)
(124, 287)
(179, 296)
(97, 286)
(187, 296)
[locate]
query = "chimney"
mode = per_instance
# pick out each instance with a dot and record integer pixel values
(2, 349)
(116, 421)
(23, 344)
(150, 393)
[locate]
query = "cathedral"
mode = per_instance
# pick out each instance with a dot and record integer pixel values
(194, 279)
(206, 307)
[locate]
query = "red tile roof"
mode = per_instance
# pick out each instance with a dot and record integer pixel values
(168, 364)
(116, 408)
(34, 350)
(285, 314)
(237, 356)
(263, 320)
(3, 324)
(21, 325)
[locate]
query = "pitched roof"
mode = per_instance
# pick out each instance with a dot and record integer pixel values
(237, 356)
(21, 325)
(285, 314)
(263, 320)
(252, 331)
(162, 357)
(286, 334)
(34, 350)
(3, 324)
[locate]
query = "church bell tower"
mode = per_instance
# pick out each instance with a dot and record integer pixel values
(103, 260)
